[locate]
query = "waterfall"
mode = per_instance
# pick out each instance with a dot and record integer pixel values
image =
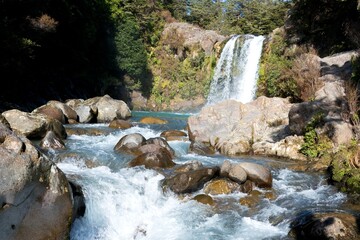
(236, 73)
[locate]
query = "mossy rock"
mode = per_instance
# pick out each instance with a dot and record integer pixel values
(345, 175)
(204, 199)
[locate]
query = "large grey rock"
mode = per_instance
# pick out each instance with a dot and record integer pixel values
(86, 113)
(258, 174)
(232, 127)
(233, 171)
(33, 125)
(35, 196)
(108, 108)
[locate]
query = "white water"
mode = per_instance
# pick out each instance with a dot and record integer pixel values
(236, 73)
(129, 203)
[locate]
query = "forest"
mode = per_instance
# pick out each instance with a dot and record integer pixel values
(64, 49)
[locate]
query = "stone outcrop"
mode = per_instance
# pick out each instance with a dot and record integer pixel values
(33, 125)
(194, 36)
(330, 101)
(120, 124)
(232, 128)
(32, 187)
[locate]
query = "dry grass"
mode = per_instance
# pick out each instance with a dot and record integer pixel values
(352, 97)
(305, 71)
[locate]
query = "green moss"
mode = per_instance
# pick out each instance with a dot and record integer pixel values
(343, 173)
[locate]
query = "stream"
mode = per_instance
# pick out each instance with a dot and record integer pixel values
(129, 203)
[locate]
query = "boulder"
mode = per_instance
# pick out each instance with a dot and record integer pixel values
(233, 171)
(153, 120)
(120, 124)
(191, 181)
(86, 114)
(173, 134)
(79, 200)
(52, 112)
(160, 158)
(35, 196)
(339, 226)
(51, 140)
(130, 143)
(258, 174)
(68, 112)
(33, 125)
(162, 143)
(232, 127)
(221, 186)
(204, 199)
(110, 109)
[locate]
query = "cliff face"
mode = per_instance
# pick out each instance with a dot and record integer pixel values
(182, 65)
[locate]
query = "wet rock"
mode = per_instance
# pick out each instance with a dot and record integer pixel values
(270, 195)
(258, 174)
(171, 135)
(247, 187)
(52, 141)
(160, 158)
(204, 199)
(35, 192)
(162, 143)
(201, 148)
(120, 124)
(190, 181)
(52, 112)
(79, 201)
(4, 121)
(221, 186)
(193, 165)
(233, 171)
(153, 120)
(33, 125)
(252, 199)
(130, 143)
(339, 226)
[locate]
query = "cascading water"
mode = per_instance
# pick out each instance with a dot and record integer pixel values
(237, 70)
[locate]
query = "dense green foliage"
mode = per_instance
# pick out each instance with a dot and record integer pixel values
(315, 145)
(273, 80)
(330, 25)
(233, 16)
(343, 172)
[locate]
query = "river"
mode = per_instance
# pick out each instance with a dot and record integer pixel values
(129, 203)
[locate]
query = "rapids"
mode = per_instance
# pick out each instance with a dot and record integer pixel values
(129, 203)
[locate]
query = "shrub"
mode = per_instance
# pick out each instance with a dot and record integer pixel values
(315, 145)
